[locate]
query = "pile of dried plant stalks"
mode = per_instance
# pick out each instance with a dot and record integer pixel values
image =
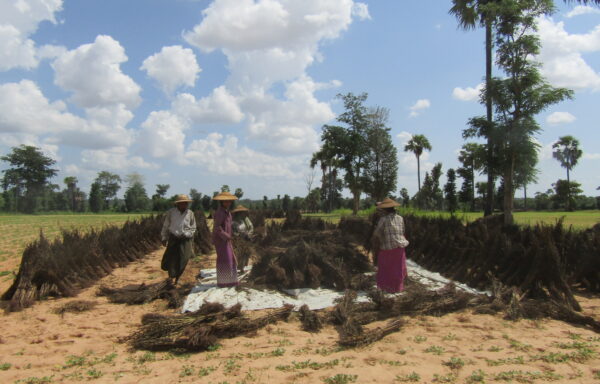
(142, 294)
(199, 330)
(75, 306)
(543, 261)
(202, 237)
(304, 253)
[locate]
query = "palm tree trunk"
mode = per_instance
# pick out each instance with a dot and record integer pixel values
(419, 173)
(525, 196)
(569, 207)
(509, 193)
(489, 201)
(356, 198)
(472, 185)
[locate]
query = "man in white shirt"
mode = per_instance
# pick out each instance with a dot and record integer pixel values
(177, 234)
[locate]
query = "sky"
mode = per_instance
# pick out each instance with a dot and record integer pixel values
(202, 93)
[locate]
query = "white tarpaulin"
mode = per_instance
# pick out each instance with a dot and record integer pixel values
(253, 299)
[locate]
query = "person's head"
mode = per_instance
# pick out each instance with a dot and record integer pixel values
(182, 202)
(387, 205)
(225, 199)
(389, 210)
(226, 203)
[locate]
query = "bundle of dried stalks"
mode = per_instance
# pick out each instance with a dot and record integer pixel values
(202, 237)
(370, 336)
(64, 266)
(199, 330)
(310, 320)
(142, 294)
(75, 306)
(244, 251)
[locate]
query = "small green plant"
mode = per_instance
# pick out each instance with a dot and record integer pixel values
(449, 378)
(454, 363)
(450, 337)
(74, 361)
(186, 370)
(231, 365)
(393, 363)
(510, 360)
(435, 349)
(495, 348)
(214, 347)
(147, 357)
(597, 374)
(477, 376)
(278, 352)
(412, 377)
(5, 366)
(515, 344)
(419, 339)
(205, 371)
(36, 380)
(341, 378)
(94, 373)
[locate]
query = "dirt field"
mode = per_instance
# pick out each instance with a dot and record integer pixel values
(38, 346)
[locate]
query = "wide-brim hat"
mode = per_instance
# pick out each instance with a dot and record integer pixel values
(388, 203)
(224, 196)
(182, 199)
(240, 208)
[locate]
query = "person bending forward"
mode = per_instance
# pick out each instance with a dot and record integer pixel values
(177, 234)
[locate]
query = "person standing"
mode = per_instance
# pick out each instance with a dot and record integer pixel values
(222, 239)
(391, 258)
(242, 226)
(177, 235)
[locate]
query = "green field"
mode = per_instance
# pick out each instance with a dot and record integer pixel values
(19, 230)
(578, 219)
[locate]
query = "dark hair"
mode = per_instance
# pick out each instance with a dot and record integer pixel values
(230, 207)
(390, 209)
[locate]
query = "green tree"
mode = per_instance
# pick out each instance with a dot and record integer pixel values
(381, 162)
(72, 192)
(136, 198)
(471, 13)
(27, 176)
(405, 197)
(565, 193)
(110, 184)
(417, 144)
(206, 202)
(522, 93)
(450, 191)
(471, 157)
(239, 193)
(313, 199)
(196, 200)
(567, 152)
(95, 200)
(286, 203)
(225, 188)
(334, 139)
(159, 202)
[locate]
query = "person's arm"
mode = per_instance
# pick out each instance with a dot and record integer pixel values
(218, 229)
(191, 229)
(379, 227)
(164, 233)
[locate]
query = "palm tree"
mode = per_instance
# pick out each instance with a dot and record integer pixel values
(567, 152)
(470, 13)
(416, 145)
(71, 183)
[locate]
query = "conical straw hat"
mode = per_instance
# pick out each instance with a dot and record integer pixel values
(182, 199)
(225, 196)
(388, 203)
(240, 208)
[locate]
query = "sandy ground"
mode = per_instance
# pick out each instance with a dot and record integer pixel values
(38, 346)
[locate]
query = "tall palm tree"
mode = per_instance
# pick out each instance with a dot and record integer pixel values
(470, 13)
(567, 152)
(417, 144)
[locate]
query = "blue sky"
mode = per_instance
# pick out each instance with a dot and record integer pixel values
(197, 94)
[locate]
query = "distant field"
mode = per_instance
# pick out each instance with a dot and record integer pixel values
(19, 230)
(579, 219)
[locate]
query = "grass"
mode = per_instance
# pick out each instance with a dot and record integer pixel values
(578, 219)
(19, 230)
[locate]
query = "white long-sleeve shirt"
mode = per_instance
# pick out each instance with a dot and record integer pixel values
(179, 224)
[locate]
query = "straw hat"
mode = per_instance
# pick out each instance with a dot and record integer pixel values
(240, 208)
(225, 196)
(388, 203)
(182, 199)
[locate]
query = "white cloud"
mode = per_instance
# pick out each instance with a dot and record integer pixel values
(582, 10)
(116, 158)
(467, 94)
(361, 10)
(223, 155)
(560, 118)
(92, 72)
(418, 107)
(172, 68)
(18, 21)
(544, 150)
(274, 41)
(404, 138)
(25, 110)
(162, 136)
(219, 107)
(561, 55)
(591, 156)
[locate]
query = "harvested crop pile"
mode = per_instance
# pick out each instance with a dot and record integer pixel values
(297, 255)
(142, 294)
(544, 262)
(75, 306)
(202, 237)
(64, 266)
(244, 251)
(201, 329)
